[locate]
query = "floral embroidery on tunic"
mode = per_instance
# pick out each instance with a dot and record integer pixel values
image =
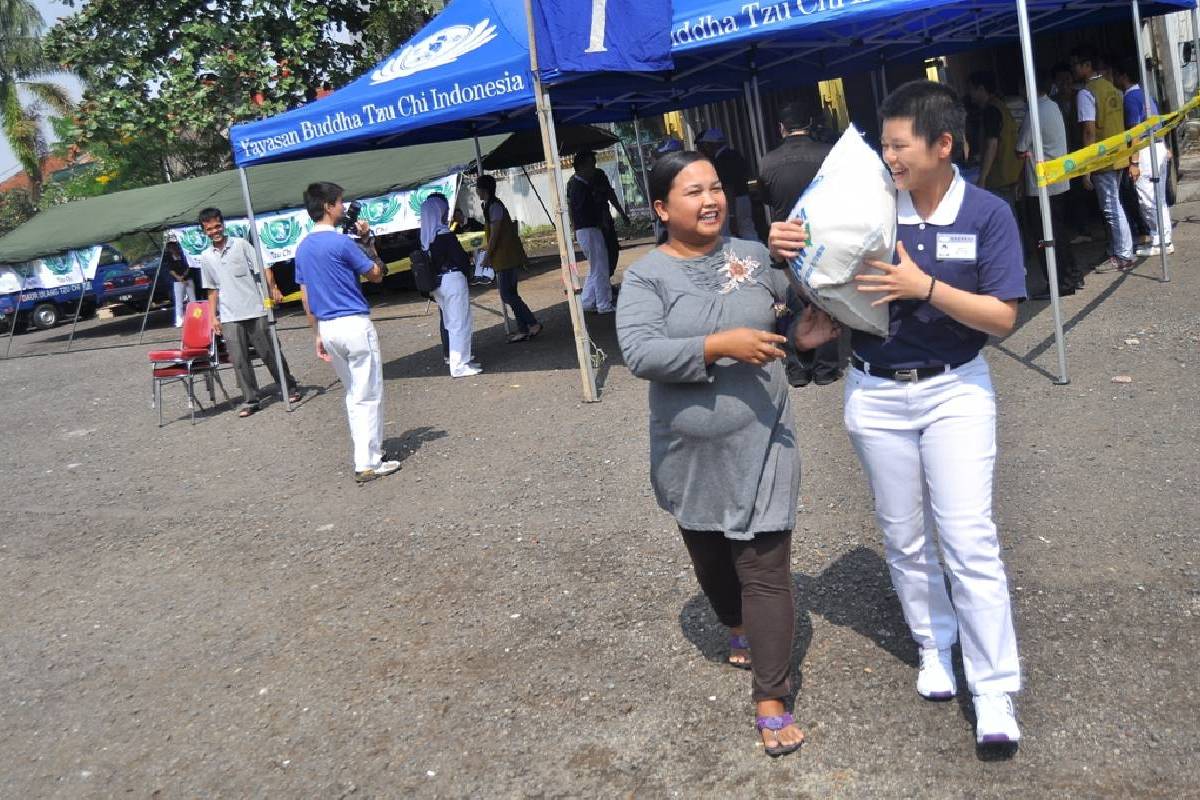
(737, 271)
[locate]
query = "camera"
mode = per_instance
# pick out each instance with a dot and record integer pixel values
(350, 218)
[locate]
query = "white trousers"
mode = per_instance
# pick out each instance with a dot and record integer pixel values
(929, 451)
(1145, 192)
(185, 292)
(597, 291)
(454, 299)
(353, 348)
(743, 228)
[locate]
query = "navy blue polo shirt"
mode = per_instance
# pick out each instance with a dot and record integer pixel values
(969, 242)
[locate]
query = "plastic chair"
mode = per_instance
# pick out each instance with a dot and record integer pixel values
(196, 356)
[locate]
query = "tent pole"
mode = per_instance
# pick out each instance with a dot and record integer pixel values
(883, 78)
(762, 123)
(479, 173)
(752, 116)
(566, 252)
(12, 329)
(1043, 195)
(268, 303)
(641, 151)
(1196, 45)
(157, 271)
(1163, 232)
(83, 290)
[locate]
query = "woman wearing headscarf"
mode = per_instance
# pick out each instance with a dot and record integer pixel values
(703, 319)
(450, 264)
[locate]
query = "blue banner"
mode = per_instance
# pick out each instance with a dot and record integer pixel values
(602, 36)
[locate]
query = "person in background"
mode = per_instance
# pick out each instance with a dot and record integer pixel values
(1080, 200)
(668, 144)
(183, 286)
(920, 409)
(784, 175)
(588, 210)
(1101, 115)
(1054, 145)
(735, 178)
(699, 319)
(505, 254)
(450, 264)
(1141, 170)
(229, 272)
(607, 196)
(328, 267)
(999, 166)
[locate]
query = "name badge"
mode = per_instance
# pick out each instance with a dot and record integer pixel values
(956, 247)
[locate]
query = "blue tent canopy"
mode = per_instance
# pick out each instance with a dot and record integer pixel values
(467, 72)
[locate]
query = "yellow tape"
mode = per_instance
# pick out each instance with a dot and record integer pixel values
(1113, 150)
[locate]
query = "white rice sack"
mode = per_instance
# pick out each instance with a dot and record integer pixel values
(849, 210)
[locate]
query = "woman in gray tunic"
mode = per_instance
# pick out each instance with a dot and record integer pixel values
(699, 317)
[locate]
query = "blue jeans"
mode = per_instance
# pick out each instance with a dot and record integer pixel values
(1108, 192)
(506, 282)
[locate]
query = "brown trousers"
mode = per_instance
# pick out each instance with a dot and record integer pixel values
(750, 584)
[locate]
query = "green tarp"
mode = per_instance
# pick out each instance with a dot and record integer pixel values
(273, 187)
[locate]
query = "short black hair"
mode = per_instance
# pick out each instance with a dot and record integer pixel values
(665, 170)
(320, 194)
(1085, 54)
(1045, 80)
(795, 115)
(487, 183)
(1126, 67)
(934, 109)
(1060, 68)
(211, 213)
(586, 156)
(983, 79)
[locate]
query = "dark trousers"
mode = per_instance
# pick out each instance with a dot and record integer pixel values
(1069, 274)
(750, 584)
(238, 337)
(1133, 211)
(1080, 209)
(506, 282)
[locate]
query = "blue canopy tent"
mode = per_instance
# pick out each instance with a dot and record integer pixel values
(471, 71)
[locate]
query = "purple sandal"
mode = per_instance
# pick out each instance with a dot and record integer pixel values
(739, 643)
(777, 724)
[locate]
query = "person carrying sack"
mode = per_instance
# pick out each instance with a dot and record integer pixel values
(448, 263)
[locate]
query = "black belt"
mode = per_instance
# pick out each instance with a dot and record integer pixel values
(902, 375)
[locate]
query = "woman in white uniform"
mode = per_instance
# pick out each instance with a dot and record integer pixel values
(920, 408)
(451, 264)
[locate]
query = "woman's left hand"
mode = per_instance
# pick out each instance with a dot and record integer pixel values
(815, 328)
(903, 281)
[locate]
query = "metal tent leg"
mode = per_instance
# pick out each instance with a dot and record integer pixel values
(1043, 197)
(162, 253)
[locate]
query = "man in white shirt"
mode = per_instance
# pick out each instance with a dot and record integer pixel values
(1054, 145)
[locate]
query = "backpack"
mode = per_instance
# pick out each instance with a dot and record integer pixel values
(424, 276)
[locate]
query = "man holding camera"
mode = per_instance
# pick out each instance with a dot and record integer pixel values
(328, 266)
(229, 273)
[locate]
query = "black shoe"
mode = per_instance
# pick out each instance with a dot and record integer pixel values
(826, 378)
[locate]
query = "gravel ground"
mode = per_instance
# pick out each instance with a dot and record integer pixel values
(217, 610)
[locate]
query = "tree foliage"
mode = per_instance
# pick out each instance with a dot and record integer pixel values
(21, 61)
(168, 78)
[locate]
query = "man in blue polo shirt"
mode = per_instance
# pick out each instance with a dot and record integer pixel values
(1141, 171)
(328, 267)
(920, 408)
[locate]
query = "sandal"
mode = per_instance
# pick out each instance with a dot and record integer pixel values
(777, 724)
(296, 396)
(248, 411)
(739, 643)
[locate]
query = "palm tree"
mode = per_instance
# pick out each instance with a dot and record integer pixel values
(21, 61)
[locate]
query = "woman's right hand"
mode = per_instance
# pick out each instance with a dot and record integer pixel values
(748, 345)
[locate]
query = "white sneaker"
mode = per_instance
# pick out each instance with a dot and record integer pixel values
(368, 475)
(995, 719)
(466, 372)
(1149, 250)
(935, 681)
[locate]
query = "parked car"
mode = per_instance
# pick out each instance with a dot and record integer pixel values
(114, 282)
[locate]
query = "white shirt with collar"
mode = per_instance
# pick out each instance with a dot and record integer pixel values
(945, 213)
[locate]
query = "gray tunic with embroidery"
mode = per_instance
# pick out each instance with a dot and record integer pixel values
(723, 453)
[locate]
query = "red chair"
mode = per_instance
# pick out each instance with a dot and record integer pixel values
(196, 356)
